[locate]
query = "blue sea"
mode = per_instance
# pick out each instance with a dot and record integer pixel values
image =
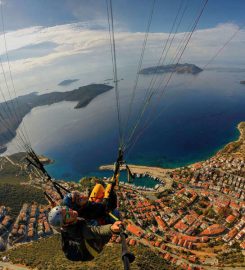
(198, 116)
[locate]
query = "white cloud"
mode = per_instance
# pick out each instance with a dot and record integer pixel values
(92, 47)
(70, 39)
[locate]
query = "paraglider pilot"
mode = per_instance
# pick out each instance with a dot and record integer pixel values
(84, 223)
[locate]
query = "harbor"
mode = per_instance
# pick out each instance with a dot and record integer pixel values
(158, 177)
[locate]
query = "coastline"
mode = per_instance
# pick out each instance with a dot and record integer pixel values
(234, 148)
(83, 95)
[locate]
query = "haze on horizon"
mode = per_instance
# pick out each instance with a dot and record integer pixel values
(51, 41)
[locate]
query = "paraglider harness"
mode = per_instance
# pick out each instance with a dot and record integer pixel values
(72, 248)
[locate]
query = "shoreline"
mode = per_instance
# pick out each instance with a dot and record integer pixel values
(161, 173)
(235, 147)
(82, 95)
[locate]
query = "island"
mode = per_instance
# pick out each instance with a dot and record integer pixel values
(177, 68)
(242, 82)
(13, 111)
(67, 82)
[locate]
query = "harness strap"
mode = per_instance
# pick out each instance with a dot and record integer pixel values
(91, 250)
(113, 216)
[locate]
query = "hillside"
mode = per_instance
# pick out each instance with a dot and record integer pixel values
(46, 254)
(14, 196)
(13, 188)
(177, 68)
(12, 169)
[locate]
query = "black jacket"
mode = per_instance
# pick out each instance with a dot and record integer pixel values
(82, 242)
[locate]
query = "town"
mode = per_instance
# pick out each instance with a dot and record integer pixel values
(196, 222)
(193, 218)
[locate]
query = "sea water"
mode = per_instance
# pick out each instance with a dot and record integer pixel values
(196, 116)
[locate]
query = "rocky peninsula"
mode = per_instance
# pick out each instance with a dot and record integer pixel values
(242, 82)
(177, 68)
(13, 111)
(236, 148)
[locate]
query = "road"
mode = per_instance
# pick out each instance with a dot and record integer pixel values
(10, 266)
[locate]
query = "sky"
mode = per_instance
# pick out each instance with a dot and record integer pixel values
(131, 14)
(49, 41)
